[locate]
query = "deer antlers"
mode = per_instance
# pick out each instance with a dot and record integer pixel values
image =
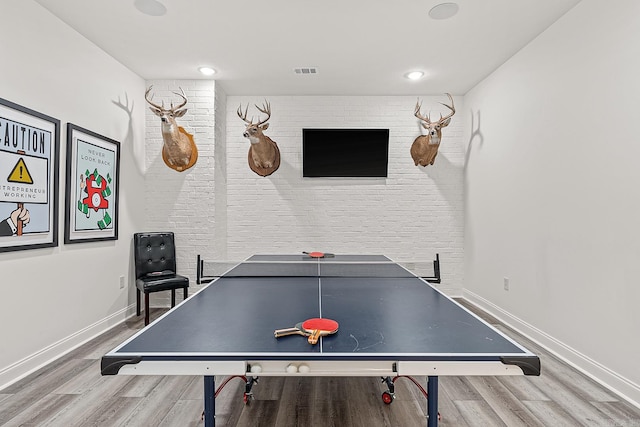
(266, 109)
(161, 107)
(427, 119)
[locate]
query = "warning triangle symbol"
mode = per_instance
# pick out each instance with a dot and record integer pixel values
(20, 173)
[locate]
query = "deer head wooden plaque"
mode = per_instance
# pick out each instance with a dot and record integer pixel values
(264, 155)
(425, 147)
(179, 150)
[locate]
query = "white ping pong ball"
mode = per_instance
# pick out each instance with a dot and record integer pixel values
(292, 369)
(304, 369)
(256, 369)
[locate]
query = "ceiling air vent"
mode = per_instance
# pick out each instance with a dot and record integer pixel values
(306, 70)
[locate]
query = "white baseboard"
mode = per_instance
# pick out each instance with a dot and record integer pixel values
(618, 384)
(33, 362)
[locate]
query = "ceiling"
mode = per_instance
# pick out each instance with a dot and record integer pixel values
(358, 47)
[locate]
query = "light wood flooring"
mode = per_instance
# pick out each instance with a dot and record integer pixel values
(71, 392)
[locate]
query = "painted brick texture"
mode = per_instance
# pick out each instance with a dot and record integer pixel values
(411, 215)
(224, 211)
(183, 202)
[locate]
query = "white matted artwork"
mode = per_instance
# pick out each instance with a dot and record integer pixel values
(93, 173)
(29, 150)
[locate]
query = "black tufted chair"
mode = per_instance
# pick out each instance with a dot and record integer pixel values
(155, 257)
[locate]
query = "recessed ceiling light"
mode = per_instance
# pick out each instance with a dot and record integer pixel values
(150, 7)
(414, 75)
(444, 10)
(207, 71)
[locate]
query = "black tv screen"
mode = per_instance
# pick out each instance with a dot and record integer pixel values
(349, 153)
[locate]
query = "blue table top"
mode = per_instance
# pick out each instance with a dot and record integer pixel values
(383, 312)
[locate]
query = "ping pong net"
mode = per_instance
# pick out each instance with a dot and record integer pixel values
(340, 266)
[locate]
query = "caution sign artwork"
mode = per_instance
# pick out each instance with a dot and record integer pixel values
(92, 186)
(20, 173)
(28, 178)
(25, 178)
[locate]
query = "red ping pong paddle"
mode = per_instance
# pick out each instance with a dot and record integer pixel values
(318, 327)
(316, 254)
(313, 328)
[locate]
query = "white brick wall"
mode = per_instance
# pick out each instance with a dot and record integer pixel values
(218, 245)
(412, 215)
(222, 210)
(183, 202)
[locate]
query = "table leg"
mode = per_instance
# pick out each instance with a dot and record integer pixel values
(209, 401)
(432, 401)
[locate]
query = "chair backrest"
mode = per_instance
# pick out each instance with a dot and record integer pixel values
(154, 253)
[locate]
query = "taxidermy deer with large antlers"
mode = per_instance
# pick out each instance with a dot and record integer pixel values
(264, 155)
(425, 147)
(179, 150)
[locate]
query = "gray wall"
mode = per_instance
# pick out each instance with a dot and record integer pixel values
(55, 298)
(551, 191)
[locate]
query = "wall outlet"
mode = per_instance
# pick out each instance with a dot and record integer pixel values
(506, 283)
(121, 282)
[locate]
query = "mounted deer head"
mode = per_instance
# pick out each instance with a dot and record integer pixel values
(264, 155)
(179, 150)
(425, 147)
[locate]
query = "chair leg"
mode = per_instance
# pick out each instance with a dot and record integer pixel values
(146, 308)
(173, 298)
(185, 293)
(137, 302)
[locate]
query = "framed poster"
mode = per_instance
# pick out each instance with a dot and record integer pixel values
(91, 196)
(29, 150)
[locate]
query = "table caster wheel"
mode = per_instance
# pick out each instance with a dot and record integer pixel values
(247, 397)
(387, 397)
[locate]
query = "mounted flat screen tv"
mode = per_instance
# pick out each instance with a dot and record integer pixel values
(345, 153)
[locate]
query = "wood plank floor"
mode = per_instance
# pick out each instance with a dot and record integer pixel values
(71, 392)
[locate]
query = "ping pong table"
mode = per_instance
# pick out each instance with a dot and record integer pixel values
(392, 323)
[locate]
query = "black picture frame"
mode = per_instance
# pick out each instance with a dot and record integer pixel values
(29, 165)
(92, 186)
